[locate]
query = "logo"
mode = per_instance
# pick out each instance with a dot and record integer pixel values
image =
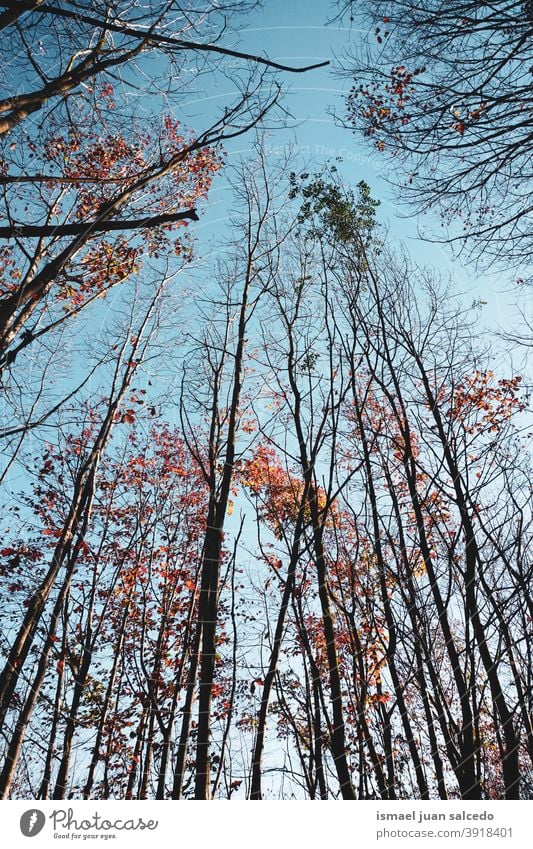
(32, 822)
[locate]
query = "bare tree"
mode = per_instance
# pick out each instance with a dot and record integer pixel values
(445, 89)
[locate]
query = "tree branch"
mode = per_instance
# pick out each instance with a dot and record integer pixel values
(38, 231)
(159, 38)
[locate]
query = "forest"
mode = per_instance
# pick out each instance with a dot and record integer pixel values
(265, 463)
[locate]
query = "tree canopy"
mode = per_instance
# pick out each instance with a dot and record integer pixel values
(445, 89)
(265, 488)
